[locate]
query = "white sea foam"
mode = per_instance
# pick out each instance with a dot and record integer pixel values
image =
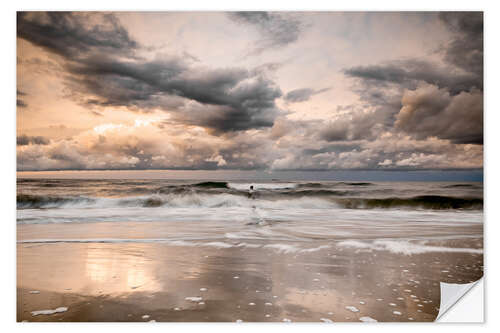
(367, 319)
(314, 249)
(218, 245)
(261, 186)
(249, 245)
(286, 248)
(49, 312)
(403, 247)
(326, 320)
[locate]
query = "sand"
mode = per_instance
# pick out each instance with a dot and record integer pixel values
(143, 282)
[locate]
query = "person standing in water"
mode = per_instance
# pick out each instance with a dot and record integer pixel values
(257, 219)
(251, 193)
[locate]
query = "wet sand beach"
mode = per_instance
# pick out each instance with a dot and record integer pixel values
(232, 281)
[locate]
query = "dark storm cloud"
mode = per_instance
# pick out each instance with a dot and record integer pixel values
(24, 140)
(222, 100)
(71, 34)
(408, 73)
(19, 102)
(466, 49)
(302, 95)
(277, 30)
(430, 111)
(228, 99)
(426, 99)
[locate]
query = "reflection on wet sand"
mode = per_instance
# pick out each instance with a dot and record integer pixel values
(126, 281)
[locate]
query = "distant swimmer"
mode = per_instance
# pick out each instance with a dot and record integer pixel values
(257, 219)
(251, 193)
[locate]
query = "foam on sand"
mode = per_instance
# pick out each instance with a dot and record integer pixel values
(367, 319)
(326, 320)
(49, 312)
(352, 308)
(194, 298)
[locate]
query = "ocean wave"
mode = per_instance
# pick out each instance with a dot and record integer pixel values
(356, 183)
(211, 184)
(471, 186)
(282, 199)
(424, 201)
(44, 201)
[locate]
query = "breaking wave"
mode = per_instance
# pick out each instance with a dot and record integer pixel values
(320, 198)
(424, 201)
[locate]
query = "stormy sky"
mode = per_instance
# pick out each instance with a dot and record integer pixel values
(249, 90)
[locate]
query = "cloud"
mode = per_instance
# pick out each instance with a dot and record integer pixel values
(276, 29)
(19, 102)
(426, 98)
(462, 56)
(410, 113)
(430, 111)
(222, 100)
(24, 140)
(302, 95)
(146, 145)
(408, 73)
(466, 49)
(74, 34)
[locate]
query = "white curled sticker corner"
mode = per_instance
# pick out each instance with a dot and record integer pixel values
(451, 293)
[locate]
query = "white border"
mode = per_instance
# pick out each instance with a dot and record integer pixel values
(492, 165)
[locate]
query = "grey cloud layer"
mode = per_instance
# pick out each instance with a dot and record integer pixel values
(24, 140)
(430, 99)
(222, 100)
(19, 101)
(466, 49)
(302, 95)
(70, 35)
(276, 29)
(430, 111)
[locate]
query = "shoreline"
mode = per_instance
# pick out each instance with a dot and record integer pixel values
(126, 281)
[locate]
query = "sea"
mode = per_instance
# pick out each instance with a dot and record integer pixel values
(301, 213)
(198, 248)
